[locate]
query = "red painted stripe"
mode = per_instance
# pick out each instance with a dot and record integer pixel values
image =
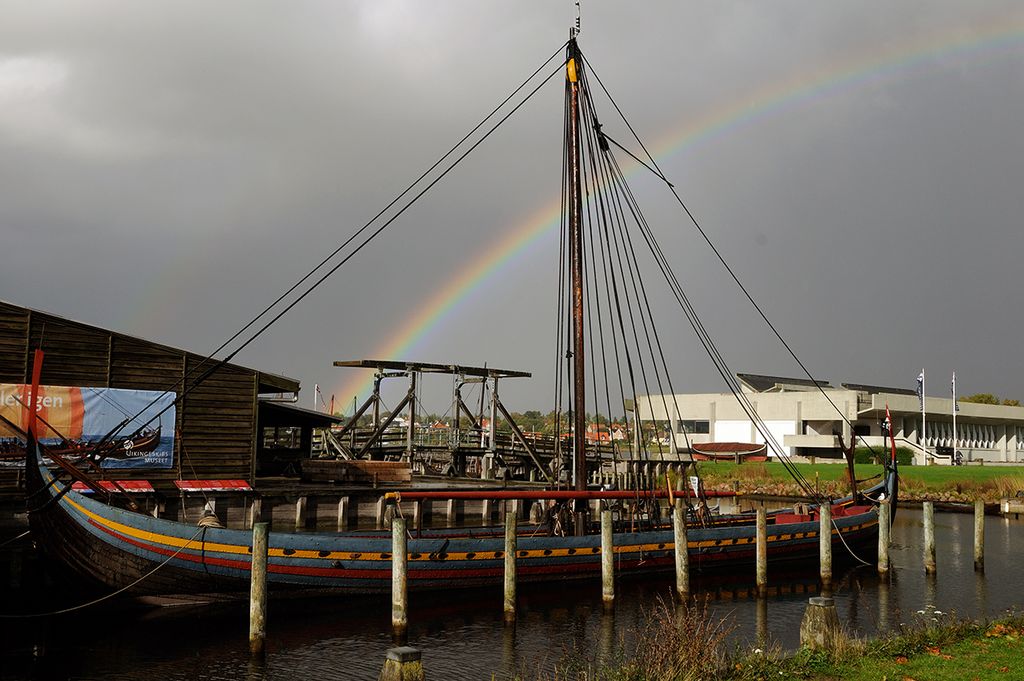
(213, 485)
(127, 485)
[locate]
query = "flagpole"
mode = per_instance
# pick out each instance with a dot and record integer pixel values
(924, 430)
(954, 418)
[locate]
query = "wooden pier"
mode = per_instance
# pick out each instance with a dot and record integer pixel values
(471, 446)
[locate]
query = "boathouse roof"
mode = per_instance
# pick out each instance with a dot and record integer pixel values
(876, 389)
(18, 363)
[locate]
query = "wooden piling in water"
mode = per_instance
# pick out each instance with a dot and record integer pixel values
(342, 514)
(928, 509)
(979, 535)
(510, 566)
(607, 561)
(825, 544)
(399, 569)
(761, 583)
(255, 512)
(300, 513)
(451, 513)
(417, 515)
(258, 589)
(682, 552)
(883, 537)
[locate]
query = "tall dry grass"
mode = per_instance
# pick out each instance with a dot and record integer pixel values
(676, 643)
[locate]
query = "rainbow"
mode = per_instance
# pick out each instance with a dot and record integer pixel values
(999, 35)
(771, 100)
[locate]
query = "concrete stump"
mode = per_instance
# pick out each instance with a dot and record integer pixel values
(402, 664)
(820, 626)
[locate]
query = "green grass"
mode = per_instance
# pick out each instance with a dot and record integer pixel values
(955, 483)
(984, 659)
(671, 647)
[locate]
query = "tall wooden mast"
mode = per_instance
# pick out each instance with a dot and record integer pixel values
(579, 439)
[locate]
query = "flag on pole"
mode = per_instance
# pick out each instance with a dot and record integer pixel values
(920, 389)
(952, 387)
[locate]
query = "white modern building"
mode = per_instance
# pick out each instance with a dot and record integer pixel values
(806, 420)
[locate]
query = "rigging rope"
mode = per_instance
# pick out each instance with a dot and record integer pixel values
(351, 239)
(14, 539)
(657, 171)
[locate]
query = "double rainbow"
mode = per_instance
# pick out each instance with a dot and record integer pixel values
(1001, 36)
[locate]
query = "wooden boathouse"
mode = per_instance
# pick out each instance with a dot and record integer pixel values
(223, 428)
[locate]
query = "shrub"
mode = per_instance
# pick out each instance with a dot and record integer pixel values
(904, 456)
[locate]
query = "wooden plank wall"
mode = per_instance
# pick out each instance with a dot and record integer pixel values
(13, 342)
(215, 424)
(219, 424)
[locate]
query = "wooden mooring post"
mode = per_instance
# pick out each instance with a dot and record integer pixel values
(343, 514)
(258, 589)
(399, 569)
(510, 566)
(883, 537)
(607, 561)
(682, 551)
(825, 545)
(979, 535)
(761, 583)
(928, 509)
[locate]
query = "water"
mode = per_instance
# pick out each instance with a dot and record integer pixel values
(462, 635)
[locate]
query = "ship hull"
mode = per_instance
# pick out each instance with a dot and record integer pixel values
(122, 549)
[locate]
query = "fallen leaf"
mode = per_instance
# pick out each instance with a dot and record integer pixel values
(946, 657)
(1003, 669)
(902, 659)
(933, 651)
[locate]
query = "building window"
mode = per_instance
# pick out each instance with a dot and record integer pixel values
(695, 427)
(862, 430)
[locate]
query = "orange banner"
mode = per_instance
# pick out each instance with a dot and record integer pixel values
(60, 407)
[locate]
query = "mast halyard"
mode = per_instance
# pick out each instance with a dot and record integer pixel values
(576, 266)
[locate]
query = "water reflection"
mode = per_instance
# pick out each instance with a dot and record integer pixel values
(884, 624)
(761, 622)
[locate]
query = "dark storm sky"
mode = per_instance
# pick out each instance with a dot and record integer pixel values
(166, 169)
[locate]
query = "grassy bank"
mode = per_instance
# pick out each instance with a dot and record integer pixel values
(945, 483)
(688, 645)
(951, 651)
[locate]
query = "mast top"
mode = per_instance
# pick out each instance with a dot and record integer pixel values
(574, 30)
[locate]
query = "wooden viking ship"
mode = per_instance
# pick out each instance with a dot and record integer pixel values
(119, 548)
